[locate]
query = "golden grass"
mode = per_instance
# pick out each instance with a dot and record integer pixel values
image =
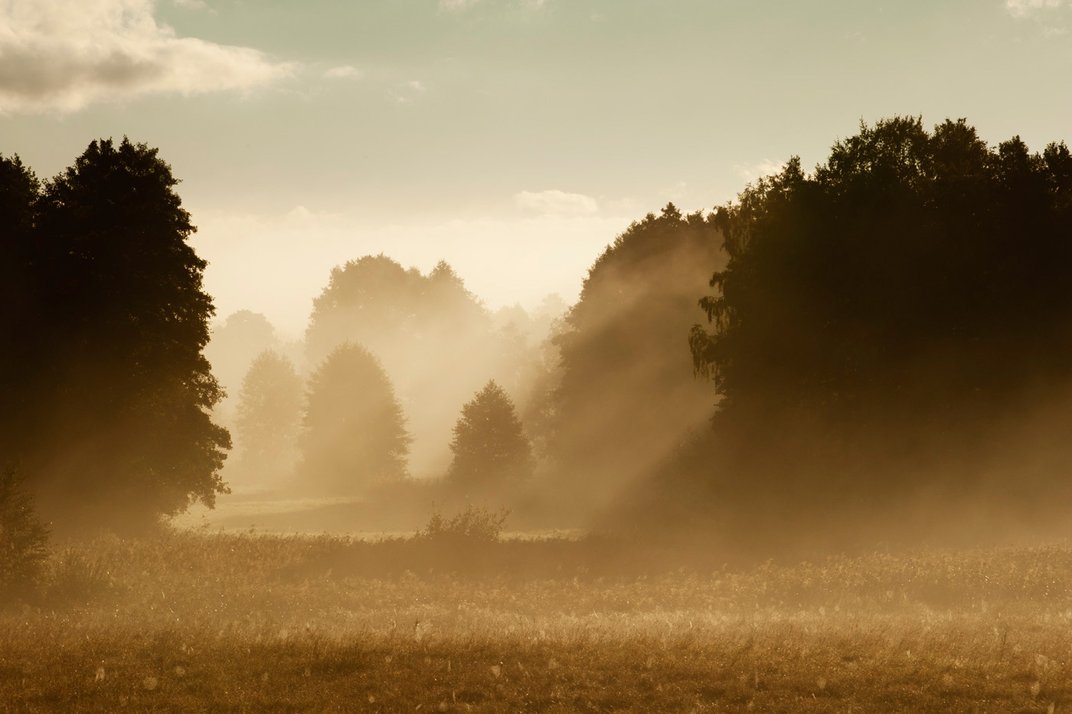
(215, 622)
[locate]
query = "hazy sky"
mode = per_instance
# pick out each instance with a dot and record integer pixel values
(513, 138)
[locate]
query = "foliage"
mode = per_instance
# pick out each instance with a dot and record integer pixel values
(116, 429)
(23, 537)
(269, 417)
(235, 343)
(354, 430)
(471, 526)
(491, 452)
(885, 320)
(626, 395)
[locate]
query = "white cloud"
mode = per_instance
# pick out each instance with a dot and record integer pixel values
(344, 72)
(456, 5)
(556, 203)
(407, 92)
(191, 4)
(62, 55)
(1021, 8)
(766, 167)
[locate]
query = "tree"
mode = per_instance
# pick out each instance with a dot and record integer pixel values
(433, 337)
(121, 430)
(354, 430)
(19, 191)
(235, 343)
(23, 537)
(882, 320)
(269, 418)
(627, 396)
(491, 454)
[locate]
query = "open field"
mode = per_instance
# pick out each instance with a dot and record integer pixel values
(195, 621)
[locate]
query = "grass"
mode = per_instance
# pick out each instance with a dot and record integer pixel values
(195, 621)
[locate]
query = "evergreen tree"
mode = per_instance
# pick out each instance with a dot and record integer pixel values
(491, 453)
(354, 429)
(269, 418)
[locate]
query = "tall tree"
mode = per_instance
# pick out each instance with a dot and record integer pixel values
(881, 319)
(492, 456)
(269, 419)
(627, 396)
(19, 193)
(122, 318)
(354, 430)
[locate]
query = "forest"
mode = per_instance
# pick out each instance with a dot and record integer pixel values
(837, 404)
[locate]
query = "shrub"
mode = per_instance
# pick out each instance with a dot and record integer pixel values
(473, 525)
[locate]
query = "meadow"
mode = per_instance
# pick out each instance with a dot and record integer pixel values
(221, 621)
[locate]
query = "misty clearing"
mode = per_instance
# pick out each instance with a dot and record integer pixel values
(807, 451)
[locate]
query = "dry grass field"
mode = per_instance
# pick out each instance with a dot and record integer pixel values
(199, 621)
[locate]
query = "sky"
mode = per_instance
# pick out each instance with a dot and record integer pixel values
(513, 138)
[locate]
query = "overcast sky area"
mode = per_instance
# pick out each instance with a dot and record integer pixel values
(512, 138)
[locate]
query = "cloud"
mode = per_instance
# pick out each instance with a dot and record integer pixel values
(456, 5)
(1022, 8)
(556, 203)
(407, 92)
(191, 4)
(766, 167)
(63, 55)
(344, 72)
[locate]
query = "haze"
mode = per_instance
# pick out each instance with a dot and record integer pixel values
(511, 138)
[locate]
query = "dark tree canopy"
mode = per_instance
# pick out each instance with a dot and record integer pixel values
(627, 395)
(910, 271)
(354, 430)
(269, 419)
(887, 323)
(111, 344)
(492, 456)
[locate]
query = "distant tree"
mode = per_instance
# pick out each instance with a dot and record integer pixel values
(119, 322)
(354, 432)
(492, 456)
(626, 395)
(269, 418)
(434, 338)
(233, 345)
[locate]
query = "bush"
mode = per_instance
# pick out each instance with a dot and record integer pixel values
(74, 578)
(23, 537)
(473, 525)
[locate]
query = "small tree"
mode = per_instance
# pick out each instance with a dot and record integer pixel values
(23, 537)
(355, 433)
(269, 417)
(491, 452)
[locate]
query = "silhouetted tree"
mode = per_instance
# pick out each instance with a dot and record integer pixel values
(120, 425)
(881, 317)
(491, 454)
(23, 537)
(19, 357)
(269, 418)
(354, 429)
(627, 395)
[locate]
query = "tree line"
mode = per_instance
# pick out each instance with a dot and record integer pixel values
(883, 339)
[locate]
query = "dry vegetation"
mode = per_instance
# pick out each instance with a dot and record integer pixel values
(196, 621)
